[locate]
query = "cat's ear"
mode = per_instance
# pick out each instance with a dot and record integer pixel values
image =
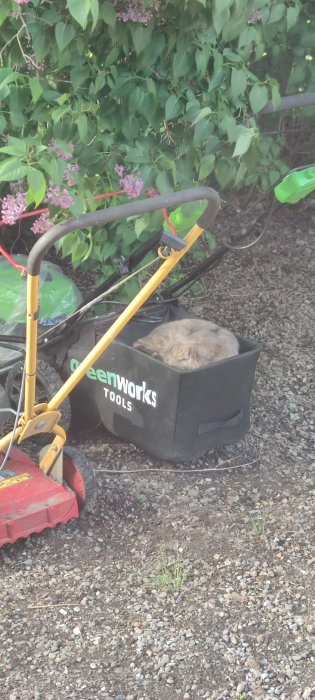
(142, 344)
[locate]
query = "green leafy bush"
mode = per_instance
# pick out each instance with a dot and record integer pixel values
(169, 90)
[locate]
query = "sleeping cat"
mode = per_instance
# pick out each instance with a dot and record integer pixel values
(189, 343)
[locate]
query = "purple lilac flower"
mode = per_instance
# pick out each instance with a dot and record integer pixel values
(256, 17)
(12, 207)
(57, 197)
(69, 169)
(41, 225)
(64, 155)
(132, 184)
(134, 10)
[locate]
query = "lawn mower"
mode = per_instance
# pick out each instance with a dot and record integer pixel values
(55, 488)
(66, 335)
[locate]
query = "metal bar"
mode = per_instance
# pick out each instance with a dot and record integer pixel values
(304, 99)
(31, 345)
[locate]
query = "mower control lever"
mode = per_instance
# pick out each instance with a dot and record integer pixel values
(172, 241)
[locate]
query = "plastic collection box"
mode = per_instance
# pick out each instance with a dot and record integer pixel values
(171, 414)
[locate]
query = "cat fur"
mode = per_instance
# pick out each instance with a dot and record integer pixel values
(189, 343)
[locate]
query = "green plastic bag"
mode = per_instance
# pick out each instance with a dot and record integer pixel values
(58, 296)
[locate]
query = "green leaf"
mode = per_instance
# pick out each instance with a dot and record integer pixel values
(62, 99)
(241, 172)
(64, 33)
(217, 79)
(204, 112)
(225, 171)
(82, 123)
(221, 5)
(140, 225)
(131, 128)
(233, 28)
(231, 56)
(134, 156)
(172, 107)
(37, 186)
(55, 168)
(108, 250)
(141, 37)
(277, 12)
(275, 96)
(79, 250)
(77, 207)
(5, 8)
(108, 14)
(98, 84)
(111, 56)
(238, 82)
(15, 147)
(202, 59)
(11, 169)
(258, 98)
(95, 9)
(6, 77)
(248, 35)
(243, 142)
(42, 43)
(60, 112)
(181, 63)
(18, 100)
(206, 166)
(79, 9)
(36, 88)
(292, 15)
(3, 123)
(202, 132)
(78, 76)
(164, 183)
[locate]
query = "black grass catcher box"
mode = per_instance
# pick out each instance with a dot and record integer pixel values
(171, 414)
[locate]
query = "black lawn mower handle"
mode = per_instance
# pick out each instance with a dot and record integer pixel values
(305, 99)
(123, 211)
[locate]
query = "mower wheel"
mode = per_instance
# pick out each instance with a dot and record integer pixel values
(79, 476)
(48, 382)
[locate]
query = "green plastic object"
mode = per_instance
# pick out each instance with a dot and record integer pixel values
(296, 186)
(186, 216)
(58, 296)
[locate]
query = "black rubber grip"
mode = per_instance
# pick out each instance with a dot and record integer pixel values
(305, 99)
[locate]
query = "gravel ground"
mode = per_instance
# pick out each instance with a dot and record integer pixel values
(195, 583)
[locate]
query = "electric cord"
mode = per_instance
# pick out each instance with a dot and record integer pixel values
(18, 411)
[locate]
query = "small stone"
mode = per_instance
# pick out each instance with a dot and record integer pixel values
(164, 660)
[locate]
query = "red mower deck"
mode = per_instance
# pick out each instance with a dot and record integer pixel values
(31, 501)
